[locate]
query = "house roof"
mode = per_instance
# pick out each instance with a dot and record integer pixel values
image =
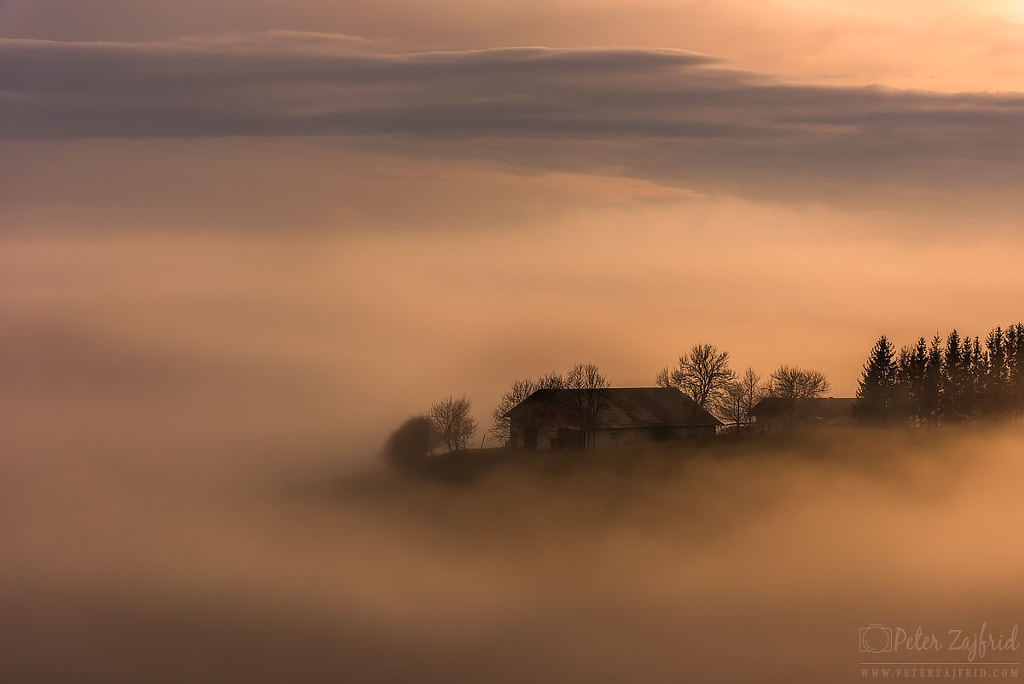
(821, 409)
(631, 407)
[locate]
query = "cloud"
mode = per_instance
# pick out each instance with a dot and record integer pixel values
(673, 117)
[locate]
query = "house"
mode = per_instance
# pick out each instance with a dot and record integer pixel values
(565, 419)
(775, 414)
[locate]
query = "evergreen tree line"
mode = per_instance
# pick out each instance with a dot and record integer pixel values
(940, 382)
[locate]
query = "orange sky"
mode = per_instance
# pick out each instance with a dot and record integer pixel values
(320, 217)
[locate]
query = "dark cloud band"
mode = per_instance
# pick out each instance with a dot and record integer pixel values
(666, 114)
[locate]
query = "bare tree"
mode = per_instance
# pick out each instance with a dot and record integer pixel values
(501, 427)
(794, 386)
(753, 392)
(534, 417)
(729, 406)
(739, 398)
(796, 383)
(703, 374)
(586, 381)
(452, 422)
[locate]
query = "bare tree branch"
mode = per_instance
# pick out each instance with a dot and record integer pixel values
(452, 422)
(703, 374)
(794, 386)
(587, 381)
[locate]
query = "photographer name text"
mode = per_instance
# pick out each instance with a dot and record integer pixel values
(972, 645)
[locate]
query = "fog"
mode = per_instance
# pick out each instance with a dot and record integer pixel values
(189, 488)
(162, 559)
(208, 336)
(241, 242)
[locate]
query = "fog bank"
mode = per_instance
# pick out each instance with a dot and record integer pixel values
(726, 561)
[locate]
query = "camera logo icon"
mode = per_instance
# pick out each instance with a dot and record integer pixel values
(876, 639)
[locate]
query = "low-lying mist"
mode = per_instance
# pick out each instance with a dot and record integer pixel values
(732, 559)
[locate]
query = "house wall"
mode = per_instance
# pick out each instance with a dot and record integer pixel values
(549, 437)
(776, 424)
(605, 438)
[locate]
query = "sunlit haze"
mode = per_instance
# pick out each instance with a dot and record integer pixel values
(242, 241)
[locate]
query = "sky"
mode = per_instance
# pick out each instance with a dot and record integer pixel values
(242, 240)
(261, 222)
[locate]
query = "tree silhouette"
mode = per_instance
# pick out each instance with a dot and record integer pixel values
(534, 417)
(996, 390)
(876, 394)
(586, 381)
(501, 428)
(410, 443)
(952, 390)
(911, 383)
(739, 399)
(959, 381)
(452, 422)
(975, 362)
(794, 386)
(703, 374)
(1015, 368)
(931, 392)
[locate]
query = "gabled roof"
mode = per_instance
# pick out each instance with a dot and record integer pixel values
(630, 407)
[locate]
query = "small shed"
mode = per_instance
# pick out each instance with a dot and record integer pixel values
(775, 414)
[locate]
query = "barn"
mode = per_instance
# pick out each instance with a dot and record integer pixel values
(774, 414)
(566, 419)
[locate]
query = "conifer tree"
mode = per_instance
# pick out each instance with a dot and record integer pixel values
(974, 364)
(951, 408)
(930, 396)
(910, 383)
(876, 393)
(959, 381)
(996, 382)
(1015, 368)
